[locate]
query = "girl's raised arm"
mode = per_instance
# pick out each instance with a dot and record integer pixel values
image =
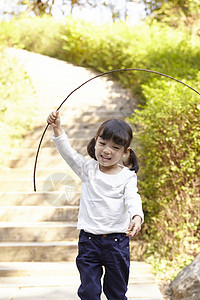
(74, 159)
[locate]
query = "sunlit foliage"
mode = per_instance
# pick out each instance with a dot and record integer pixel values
(16, 105)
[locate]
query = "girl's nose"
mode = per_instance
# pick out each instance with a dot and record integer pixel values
(106, 150)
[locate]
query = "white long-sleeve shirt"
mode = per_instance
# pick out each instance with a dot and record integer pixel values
(108, 202)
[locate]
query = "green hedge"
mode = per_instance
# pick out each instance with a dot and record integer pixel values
(168, 141)
(16, 105)
(167, 136)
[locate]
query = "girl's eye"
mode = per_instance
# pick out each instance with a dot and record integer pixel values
(115, 147)
(101, 143)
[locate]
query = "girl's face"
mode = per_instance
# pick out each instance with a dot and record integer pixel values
(108, 155)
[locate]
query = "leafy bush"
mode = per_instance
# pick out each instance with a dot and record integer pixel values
(15, 110)
(168, 138)
(34, 34)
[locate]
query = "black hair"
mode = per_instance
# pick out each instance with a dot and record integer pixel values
(120, 133)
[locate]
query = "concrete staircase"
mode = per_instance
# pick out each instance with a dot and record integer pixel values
(38, 235)
(41, 226)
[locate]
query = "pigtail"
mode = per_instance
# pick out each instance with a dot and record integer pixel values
(132, 161)
(91, 148)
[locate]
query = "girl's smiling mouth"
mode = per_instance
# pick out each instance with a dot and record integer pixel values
(107, 158)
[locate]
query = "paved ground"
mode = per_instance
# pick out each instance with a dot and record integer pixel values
(53, 80)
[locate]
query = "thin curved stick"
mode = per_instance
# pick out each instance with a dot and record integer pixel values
(102, 74)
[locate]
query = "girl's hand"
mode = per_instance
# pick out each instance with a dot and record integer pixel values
(135, 226)
(54, 119)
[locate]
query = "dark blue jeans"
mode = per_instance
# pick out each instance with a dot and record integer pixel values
(110, 251)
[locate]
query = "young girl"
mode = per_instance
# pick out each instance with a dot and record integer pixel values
(110, 207)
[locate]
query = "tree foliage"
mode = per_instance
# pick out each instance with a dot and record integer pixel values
(187, 7)
(174, 12)
(41, 7)
(38, 7)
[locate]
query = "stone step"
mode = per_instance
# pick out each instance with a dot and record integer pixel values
(40, 281)
(32, 142)
(43, 162)
(93, 116)
(140, 271)
(38, 231)
(38, 199)
(29, 147)
(39, 269)
(24, 173)
(38, 251)
(53, 251)
(77, 136)
(53, 182)
(69, 292)
(46, 152)
(79, 130)
(38, 213)
(72, 116)
(94, 112)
